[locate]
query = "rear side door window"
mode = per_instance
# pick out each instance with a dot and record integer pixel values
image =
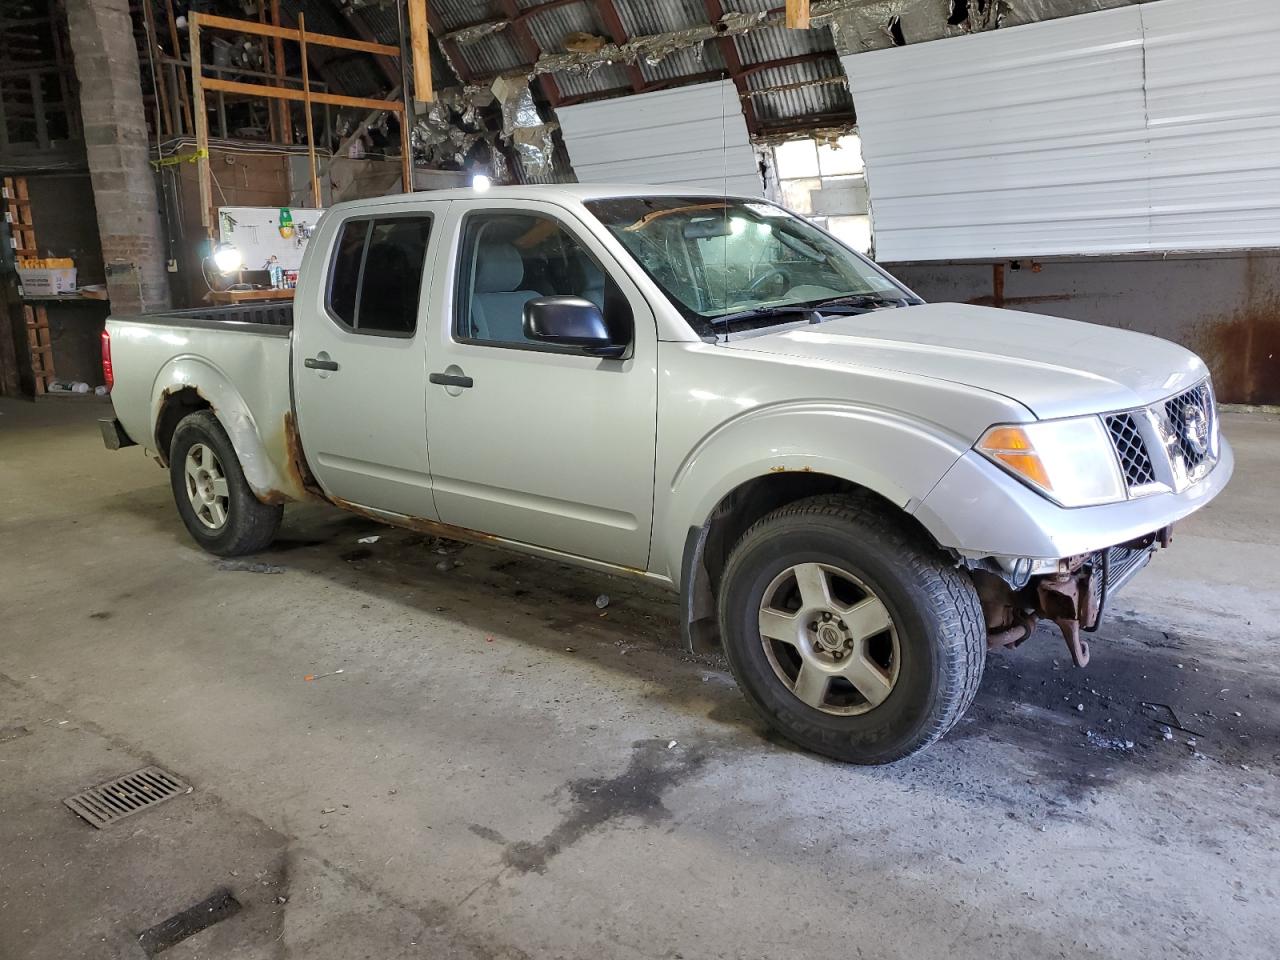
(376, 277)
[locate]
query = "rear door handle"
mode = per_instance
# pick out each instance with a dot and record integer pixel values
(451, 380)
(315, 363)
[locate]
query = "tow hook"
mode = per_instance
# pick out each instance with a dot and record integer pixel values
(1067, 600)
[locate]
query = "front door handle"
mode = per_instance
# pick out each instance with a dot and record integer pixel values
(451, 380)
(315, 363)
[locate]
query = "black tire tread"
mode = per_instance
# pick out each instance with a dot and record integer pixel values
(953, 600)
(252, 524)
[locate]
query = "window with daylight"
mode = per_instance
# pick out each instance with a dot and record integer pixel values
(824, 181)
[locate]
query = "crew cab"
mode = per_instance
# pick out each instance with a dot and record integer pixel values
(855, 493)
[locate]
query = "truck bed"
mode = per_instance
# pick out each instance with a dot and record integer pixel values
(233, 360)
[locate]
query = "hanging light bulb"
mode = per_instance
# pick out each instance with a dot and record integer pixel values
(227, 258)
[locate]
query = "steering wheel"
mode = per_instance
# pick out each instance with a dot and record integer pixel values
(760, 281)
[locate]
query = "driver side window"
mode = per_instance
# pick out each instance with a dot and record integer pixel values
(509, 258)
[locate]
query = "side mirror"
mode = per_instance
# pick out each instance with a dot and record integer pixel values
(571, 322)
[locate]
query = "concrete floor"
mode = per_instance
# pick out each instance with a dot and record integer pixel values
(503, 770)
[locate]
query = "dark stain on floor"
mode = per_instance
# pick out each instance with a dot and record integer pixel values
(487, 833)
(654, 769)
(186, 923)
(1080, 731)
(1087, 728)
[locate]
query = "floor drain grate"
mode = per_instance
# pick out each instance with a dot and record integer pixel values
(116, 799)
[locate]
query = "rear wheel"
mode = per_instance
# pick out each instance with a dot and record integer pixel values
(209, 488)
(849, 633)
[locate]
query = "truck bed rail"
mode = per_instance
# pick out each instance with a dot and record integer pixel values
(274, 318)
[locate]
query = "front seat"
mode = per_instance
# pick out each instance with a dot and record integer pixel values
(497, 303)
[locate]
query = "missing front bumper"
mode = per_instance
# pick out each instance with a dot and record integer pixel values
(1074, 597)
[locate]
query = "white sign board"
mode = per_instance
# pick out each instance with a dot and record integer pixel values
(260, 233)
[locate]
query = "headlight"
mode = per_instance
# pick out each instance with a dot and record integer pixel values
(1071, 462)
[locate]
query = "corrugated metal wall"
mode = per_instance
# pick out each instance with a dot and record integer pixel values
(691, 136)
(1146, 128)
(1213, 106)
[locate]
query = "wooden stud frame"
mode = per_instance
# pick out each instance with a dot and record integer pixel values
(797, 14)
(200, 84)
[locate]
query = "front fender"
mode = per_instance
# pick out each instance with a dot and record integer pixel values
(261, 450)
(896, 456)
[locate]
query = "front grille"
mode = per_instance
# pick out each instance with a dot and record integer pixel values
(1168, 445)
(1132, 451)
(1190, 424)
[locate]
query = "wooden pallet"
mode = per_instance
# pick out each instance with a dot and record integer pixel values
(39, 346)
(18, 213)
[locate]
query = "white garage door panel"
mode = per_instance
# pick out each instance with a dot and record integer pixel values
(691, 136)
(947, 177)
(1213, 100)
(1146, 128)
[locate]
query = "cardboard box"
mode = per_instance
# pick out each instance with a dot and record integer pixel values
(47, 281)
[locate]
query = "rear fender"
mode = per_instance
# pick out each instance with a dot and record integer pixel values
(262, 451)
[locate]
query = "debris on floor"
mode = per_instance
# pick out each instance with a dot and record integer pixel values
(602, 601)
(320, 676)
(1176, 724)
(1108, 743)
(372, 539)
(248, 566)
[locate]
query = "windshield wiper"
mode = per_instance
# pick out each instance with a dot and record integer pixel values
(854, 303)
(861, 301)
(757, 312)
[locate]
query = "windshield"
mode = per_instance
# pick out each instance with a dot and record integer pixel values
(716, 257)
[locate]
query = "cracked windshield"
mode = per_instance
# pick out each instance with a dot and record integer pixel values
(727, 258)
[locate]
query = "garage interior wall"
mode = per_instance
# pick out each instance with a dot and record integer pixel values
(693, 136)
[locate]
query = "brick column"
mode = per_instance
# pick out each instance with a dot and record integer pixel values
(115, 134)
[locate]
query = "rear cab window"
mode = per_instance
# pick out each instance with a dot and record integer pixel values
(375, 280)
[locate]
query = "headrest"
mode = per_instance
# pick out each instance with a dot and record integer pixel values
(499, 268)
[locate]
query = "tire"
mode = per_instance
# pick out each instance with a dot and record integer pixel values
(920, 672)
(222, 515)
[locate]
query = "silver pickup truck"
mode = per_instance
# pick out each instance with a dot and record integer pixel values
(855, 493)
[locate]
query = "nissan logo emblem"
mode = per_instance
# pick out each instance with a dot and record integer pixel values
(1195, 429)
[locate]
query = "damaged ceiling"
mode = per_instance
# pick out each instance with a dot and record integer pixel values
(876, 24)
(507, 65)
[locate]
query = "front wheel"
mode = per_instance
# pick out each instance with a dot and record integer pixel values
(851, 635)
(212, 495)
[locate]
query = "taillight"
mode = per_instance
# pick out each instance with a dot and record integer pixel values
(108, 375)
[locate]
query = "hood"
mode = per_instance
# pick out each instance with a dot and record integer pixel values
(1054, 367)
